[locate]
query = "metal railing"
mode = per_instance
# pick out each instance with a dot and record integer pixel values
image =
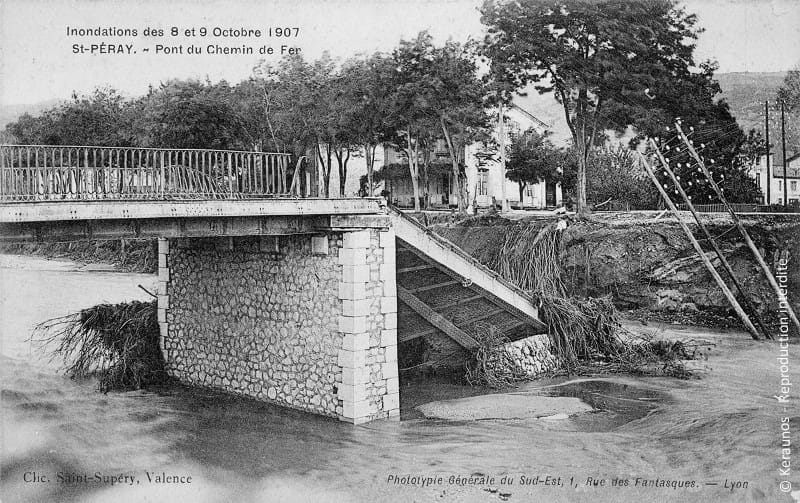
(55, 172)
(740, 208)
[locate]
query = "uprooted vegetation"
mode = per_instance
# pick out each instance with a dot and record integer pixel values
(117, 343)
(648, 266)
(586, 335)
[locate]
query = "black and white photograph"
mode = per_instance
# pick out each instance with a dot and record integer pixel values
(422, 251)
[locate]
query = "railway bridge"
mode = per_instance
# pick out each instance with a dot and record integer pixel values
(265, 289)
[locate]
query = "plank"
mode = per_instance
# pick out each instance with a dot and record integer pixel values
(415, 268)
(432, 287)
(436, 319)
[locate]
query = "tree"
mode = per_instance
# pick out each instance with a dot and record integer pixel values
(189, 114)
(532, 158)
(100, 118)
(299, 104)
(592, 55)
(461, 103)
(789, 92)
(615, 174)
(410, 115)
(368, 89)
(438, 94)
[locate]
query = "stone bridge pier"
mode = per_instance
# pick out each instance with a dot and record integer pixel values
(307, 321)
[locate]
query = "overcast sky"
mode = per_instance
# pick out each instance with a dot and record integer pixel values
(38, 62)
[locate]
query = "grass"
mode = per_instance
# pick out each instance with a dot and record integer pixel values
(134, 255)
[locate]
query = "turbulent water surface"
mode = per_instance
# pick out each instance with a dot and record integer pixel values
(62, 441)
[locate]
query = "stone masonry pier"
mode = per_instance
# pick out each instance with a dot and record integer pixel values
(303, 321)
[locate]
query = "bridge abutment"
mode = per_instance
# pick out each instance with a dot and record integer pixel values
(304, 321)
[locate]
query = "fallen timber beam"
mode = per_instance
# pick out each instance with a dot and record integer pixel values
(415, 335)
(479, 291)
(757, 254)
(433, 287)
(724, 261)
(436, 319)
(459, 302)
(725, 290)
(415, 268)
(482, 316)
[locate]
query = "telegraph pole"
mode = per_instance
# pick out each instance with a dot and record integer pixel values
(502, 134)
(783, 146)
(766, 127)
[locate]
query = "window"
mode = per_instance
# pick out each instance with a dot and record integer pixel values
(483, 182)
(793, 186)
(529, 190)
(780, 185)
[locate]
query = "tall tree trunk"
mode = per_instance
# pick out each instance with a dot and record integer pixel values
(580, 187)
(413, 168)
(456, 168)
(369, 152)
(521, 189)
(326, 170)
(426, 189)
(341, 161)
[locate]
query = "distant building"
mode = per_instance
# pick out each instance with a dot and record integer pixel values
(484, 178)
(777, 187)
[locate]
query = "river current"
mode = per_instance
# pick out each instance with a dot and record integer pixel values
(717, 438)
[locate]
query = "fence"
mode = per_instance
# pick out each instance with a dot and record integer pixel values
(740, 208)
(52, 172)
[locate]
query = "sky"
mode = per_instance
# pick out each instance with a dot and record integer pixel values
(38, 62)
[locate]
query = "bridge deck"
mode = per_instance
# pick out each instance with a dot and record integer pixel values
(76, 220)
(51, 211)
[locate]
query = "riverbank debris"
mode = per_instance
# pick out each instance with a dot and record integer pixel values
(117, 343)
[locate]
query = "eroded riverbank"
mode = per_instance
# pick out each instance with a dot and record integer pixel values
(720, 429)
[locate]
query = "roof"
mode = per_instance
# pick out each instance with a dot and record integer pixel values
(777, 156)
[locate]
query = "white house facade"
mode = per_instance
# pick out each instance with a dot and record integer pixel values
(777, 187)
(484, 176)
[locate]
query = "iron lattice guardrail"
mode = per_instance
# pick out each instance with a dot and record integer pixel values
(55, 172)
(740, 208)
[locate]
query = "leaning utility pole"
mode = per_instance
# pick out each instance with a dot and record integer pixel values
(783, 147)
(501, 132)
(766, 128)
(757, 254)
(709, 266)
(720, 255)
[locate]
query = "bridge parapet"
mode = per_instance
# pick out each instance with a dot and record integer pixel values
(70, 173)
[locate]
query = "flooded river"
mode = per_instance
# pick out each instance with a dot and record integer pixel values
(648, 439)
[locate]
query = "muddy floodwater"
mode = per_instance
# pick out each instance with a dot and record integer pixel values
(717, 438)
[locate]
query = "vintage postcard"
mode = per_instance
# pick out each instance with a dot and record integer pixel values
(399, 250)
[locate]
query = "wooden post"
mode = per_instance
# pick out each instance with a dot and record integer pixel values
(701, 225)
(725, 290)
(742, 231)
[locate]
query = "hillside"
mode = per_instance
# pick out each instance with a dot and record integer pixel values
(746, 92)
(10, 113)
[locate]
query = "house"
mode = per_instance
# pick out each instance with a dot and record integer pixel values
(484, 177)
(777, 188)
